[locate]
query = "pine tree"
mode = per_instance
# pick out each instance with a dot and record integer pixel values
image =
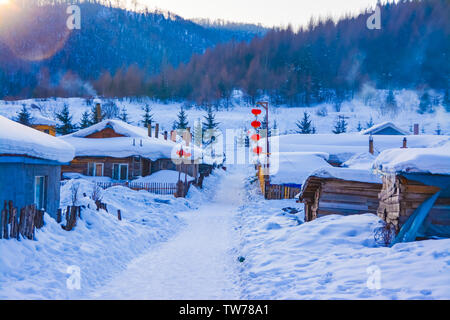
(182, 122)
(360, 128)
(24, 117)
(210, 120)
(340, 126)
(391, 103)
(85, 120)
(446, 101)
(124, 115)
(425, 104)
(65, 118)
(305, 125)
(147, 117)
(370, 124)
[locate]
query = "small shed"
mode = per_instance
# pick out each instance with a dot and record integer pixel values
(340, 191)
(30, 166)
(416, 191)
(385, 129)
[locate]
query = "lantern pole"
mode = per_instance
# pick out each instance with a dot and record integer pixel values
(265, 105)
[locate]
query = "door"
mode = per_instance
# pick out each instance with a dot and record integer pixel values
(40, 192)
(99, 169)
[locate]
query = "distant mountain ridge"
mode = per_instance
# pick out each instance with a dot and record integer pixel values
(39, 57)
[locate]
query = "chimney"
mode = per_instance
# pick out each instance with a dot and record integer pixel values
(416, 129)
(405, 143)
(157, 130)
(371, 149)
(173, 136)
(165, 135)
(98, 109)
(149, 127)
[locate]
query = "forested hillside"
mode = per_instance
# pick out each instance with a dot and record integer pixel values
(325, 61)
(113, 53)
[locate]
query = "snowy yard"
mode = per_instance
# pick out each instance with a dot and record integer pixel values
(332, 257)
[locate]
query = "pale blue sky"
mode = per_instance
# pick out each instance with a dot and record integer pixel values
(266, 12)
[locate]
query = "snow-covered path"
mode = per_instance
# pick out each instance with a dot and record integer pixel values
(198, 263)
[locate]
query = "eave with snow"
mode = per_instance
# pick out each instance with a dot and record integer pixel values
(30, 166)
(115, 149)
(386, 129)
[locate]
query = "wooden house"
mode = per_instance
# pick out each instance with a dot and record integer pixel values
(120, 151)
(340, 191)
(44, 125)
(415, 196)
(30, 166)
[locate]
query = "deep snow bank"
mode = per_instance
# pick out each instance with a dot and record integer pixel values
(100, 245)
(329, 257)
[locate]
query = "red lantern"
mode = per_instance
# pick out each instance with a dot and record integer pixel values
(256, 124)
(257, 150)
(256, 112)
(256, 137)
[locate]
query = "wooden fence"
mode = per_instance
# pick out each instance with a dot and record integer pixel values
(276, 191)
(153, 187)
(14, 223)
(279, 192)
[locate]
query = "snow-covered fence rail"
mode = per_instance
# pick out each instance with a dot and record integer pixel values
(153, 187)
(14, 223)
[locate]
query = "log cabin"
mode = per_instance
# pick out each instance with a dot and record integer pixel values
(415, 196)
(120, 151)
(340, 191)
(30, 166)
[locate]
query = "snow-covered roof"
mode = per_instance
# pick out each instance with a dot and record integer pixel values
(135, 142)
(378, 127)
(17, 139)
(345, 146)
(295, 167)
(43, 121)
(421, 160)
(347, 174)
(118, 126)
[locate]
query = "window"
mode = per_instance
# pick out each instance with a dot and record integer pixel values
(95, 169)
(40, 192)
(120, 171)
